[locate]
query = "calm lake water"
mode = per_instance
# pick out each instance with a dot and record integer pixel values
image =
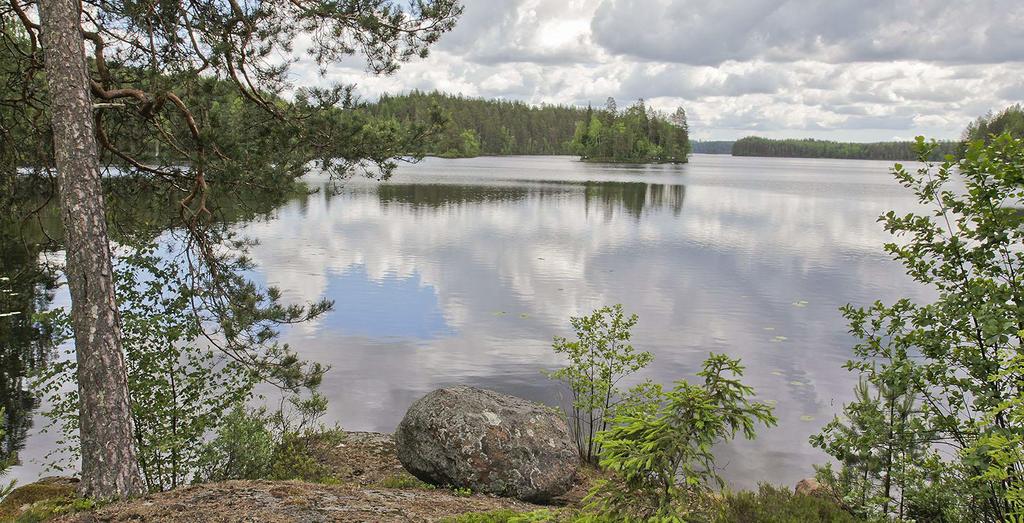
(462, 271)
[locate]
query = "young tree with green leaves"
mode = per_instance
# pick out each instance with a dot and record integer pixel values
(181, 388)
(599, 358)
(958, 356)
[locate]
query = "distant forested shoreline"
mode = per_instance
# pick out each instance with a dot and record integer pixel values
(712, 147)
(638, 133)
(812, 148)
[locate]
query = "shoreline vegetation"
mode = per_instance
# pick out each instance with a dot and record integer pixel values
(814, 148)
(363, 481)
(474, 127)
(758, 147)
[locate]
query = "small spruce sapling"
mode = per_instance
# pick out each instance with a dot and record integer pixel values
(661, 452)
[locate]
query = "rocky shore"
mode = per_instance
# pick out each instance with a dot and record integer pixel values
(371, 486)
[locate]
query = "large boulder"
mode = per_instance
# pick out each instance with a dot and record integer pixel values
(489, 442)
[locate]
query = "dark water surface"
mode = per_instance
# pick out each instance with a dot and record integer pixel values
(461, 272)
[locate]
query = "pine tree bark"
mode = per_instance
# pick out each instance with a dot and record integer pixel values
(109, 464)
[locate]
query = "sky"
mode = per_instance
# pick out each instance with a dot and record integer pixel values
(859, 70)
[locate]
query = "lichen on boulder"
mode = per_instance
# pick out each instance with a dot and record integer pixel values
(466, 437)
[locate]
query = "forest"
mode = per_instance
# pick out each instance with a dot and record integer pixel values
(481, 127)
(812, 148)
(711, 146)
(1008, 121)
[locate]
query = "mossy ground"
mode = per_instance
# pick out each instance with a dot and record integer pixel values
(43, 500)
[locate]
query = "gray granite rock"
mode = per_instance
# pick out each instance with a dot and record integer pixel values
(489, 442)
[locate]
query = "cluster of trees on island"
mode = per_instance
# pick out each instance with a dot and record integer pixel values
(637, 134)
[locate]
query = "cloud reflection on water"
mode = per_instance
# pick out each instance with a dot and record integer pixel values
(485, 259)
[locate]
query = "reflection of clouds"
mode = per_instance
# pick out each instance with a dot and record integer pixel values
(511, 247)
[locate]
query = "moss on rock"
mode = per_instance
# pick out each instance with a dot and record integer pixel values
(59, 490)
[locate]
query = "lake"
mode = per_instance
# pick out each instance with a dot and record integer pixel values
(462, 271)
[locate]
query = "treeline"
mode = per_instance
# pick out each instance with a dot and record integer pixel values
(712, 146)
(637, 134)
(1009, 120)
(476, 126)
(811, 148)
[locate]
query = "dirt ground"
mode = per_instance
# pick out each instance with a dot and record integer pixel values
(293, 502)
(372, 486)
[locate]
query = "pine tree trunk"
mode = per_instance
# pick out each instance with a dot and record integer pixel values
(109, 465)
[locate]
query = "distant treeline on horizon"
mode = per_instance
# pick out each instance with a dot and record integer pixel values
(486, 127)
(814, 148)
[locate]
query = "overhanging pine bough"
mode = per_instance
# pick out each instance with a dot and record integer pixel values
(154, 57)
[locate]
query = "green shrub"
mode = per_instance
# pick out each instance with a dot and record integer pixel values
(462, 492)
(772, 504)
(242, 449)
(258, 445)
(660, 454)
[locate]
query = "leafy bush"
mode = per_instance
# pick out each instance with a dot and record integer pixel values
(660, 453)
(262, 445)
(598, 359)
(182, 382)
(939, 437)
(242, 449)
